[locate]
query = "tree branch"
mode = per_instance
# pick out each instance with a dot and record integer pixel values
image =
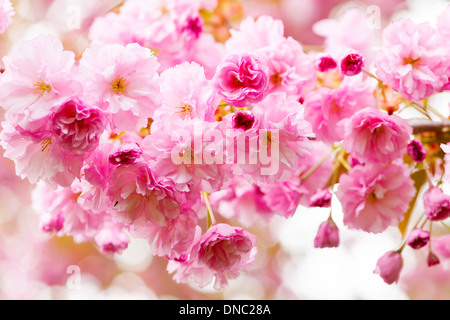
(425, 125)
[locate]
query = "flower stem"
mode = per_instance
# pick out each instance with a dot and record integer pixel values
(210, 219)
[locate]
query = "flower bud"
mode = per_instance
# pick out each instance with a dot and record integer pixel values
(389, 267)
(327, 235)
(352, 64)
(325, 63)
(432, 260)
(418, 238)
(417, 151)
(126, 154)
(321, 199)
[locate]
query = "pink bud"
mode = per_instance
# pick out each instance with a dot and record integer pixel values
(243, 120)
(432, 260)
(352, 64)
(437, 204)
(417, 151)
(327, 235)
(323, 64)
(321, 199)
(112, 240)
(389, 267)
(418, 238)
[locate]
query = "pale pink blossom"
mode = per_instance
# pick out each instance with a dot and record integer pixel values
(351, 30)
(187, 93)
(61, 206)
(38, 78)
(390, 266)
(328, 109)
(174, 239)
(374, 136)
(275, 145)
(327, 235)
(437, 204)
(112, 239)
(6, 13)
(375, 196)
(221, 254)
(290, 69)
(242, 80)
(255, 34)
(138, 199)
(414, 60)
(441, 245)
(123, 80)
(188, 155)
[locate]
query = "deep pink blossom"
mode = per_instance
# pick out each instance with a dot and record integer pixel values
(352, 64)
(242, 80)
(373, 136)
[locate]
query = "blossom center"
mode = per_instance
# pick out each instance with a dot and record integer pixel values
(184, 110)
(276, 79)
(412, 61)
(42, 87)
(119, 85)
(45, 144)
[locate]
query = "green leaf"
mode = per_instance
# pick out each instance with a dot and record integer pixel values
(420, 178)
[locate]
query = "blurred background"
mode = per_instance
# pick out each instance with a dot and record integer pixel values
(34, 265)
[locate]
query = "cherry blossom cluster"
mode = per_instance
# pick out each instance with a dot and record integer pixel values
(160, 131)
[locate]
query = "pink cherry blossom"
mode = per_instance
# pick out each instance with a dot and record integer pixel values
(138, 199)
(328, 109)
(255, 34)
(290, 69)
(242, 80)
(277, 142)
(6, 13)
(437, 204)
(187, 93)
(390, 266)
(112, 239)
(123, 80)
(413, 60)
(38, 78)
(220, 255)
(374, 136)
(77, 128)
(375, 196)
(61, 206)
